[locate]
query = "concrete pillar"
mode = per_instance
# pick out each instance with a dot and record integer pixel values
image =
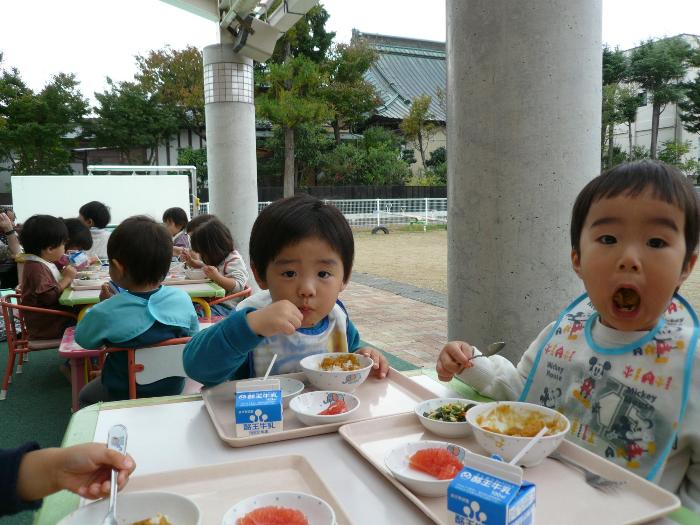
(524, 110)
(230, 120)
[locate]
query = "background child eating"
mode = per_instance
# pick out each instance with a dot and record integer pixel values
(220, 262)
(96, 216)
(301, 255)
(145, 313)
(43, 238)
(175, 220)
(619, 362)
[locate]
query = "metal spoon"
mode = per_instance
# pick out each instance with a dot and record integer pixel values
(116, 440)
(492, 349)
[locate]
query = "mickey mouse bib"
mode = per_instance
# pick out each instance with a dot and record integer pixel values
(624, 403)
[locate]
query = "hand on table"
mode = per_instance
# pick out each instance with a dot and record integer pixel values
(381, 365)
(453, 358)
(280, 317)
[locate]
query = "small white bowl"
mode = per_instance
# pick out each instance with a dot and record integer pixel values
(344, 381)
(290, 388)
(136, 506)
(398, 462)
(307, 406)
(444, 428)
(77, 283)
(195, 273)
(508, 446)
(316, 511)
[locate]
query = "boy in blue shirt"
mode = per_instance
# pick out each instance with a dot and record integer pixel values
(145, 312)
(301, 252)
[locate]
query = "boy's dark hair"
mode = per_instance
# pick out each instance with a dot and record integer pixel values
(213, 241)
(41, 232)
(177, 216)
(288, 221)
(79, 237)
(667, 183)
(143, 247)
(97, 212)
(197, 221)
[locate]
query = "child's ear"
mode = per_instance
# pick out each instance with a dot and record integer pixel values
(576, 261)
(261, 282)
(688, 268)
(118, 266)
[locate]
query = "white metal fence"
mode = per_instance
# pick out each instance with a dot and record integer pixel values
(373, 213)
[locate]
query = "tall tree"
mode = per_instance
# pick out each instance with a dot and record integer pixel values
(658, 66)
(129, 118)
(37, 131)
(627, 105)
(308, 37)
(690, 106)
(350, 97)
(418, 127)
(175, 77)
(614, 72)
(292, 98)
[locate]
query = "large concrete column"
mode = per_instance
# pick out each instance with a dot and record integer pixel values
(230, 120)
(524, 97)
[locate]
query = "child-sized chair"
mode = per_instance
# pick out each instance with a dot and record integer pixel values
(242, 295)
(19, 343)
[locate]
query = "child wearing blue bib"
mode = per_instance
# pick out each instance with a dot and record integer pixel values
(619, 361)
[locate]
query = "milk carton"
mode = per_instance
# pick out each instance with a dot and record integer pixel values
(490, 492)
(258, 407)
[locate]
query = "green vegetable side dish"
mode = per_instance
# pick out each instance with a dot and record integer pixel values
(451, 412)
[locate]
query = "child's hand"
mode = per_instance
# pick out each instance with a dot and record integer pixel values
(454, 357)
(5, 223)
(105, 292)
(69, 272)
(280, 317)
(210, 271)
(381, 365)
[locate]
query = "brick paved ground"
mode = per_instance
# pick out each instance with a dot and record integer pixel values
(411, 329)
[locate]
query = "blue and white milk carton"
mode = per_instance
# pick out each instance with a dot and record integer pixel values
(258, 407)
(490, 492)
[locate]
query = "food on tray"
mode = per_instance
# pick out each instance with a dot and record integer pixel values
(158, 519)
(521, 422)
(273, 516)
(451, 412)
(335, 408)
(438, 462)
(341, 363)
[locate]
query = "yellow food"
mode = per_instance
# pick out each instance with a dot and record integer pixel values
(158, 519)
(521, 422)
(340, 363)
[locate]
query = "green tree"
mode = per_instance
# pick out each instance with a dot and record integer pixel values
(198, 159)
(175, 78)
(676, 153)
(293, 98)
(614, 72)
(418, 127)
(37, 131)
(308, 38)
(129, 118)
(627, 105)
(350, 97)
(690, 106)
(658, 67)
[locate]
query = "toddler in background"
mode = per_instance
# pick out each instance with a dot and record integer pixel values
(175, 220)
(220, 261)
(96, 216)
(301, 252)
(143, 314)
(620, 361)
(44, 238)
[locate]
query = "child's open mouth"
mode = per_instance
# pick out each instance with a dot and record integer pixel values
(626, 299)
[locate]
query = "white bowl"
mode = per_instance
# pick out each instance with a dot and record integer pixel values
(316, 511)
(444, 428)
(77, 283)
(195, 273)
(508, 446)
(307, 406)
(136, 506)
(398, 460)
(344, 381)
(290, 388)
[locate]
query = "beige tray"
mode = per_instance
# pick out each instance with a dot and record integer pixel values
(169, 282)
(561, 491)
(378, 397)
(217, 488)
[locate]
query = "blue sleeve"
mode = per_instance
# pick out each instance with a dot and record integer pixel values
(10, 460)
(89, 331)
(194, 323)
(354, 342)
(213, 355)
